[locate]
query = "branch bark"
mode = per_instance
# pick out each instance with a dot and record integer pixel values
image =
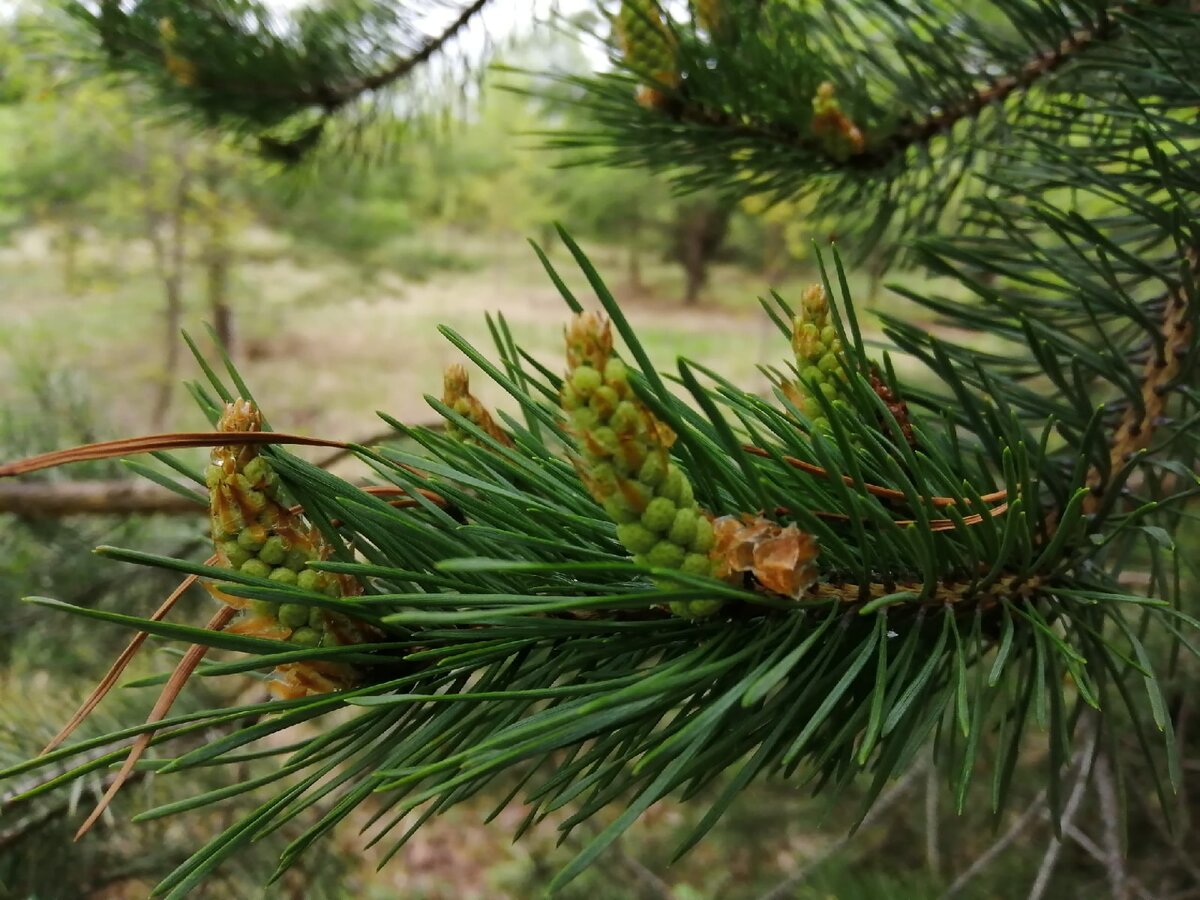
(344, 95)
(49, 500)
(1159, 373)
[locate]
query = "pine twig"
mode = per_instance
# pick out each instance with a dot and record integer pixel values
(353, 91)
(915, 133)
(1129, 885)
(1112, 855)
(1050, 860)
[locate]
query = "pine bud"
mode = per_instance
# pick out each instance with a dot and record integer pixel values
(283, 576)
(624, 459)
(181, 69)
(819, 358)
(837, 132)
(456, 394)
(256, 568)
(306, 637)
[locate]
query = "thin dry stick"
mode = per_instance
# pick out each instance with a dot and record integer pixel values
(783, 890)
(1050, 860)
(1132, 885)
(653, 884)
(933, 850)
(162, 706)
(1110, 817)
(1037, 807)
(390, 435)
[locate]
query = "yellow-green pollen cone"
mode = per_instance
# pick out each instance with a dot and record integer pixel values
(648, 45)
(819, 357)
(624, 459)
(255, 533)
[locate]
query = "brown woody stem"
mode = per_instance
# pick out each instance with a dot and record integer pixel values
(1161, 369)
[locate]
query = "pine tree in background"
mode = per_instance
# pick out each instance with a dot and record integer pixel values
(658, 584)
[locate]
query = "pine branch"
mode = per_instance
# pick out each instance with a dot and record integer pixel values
(882, 152)
(641, 579)
(335, 98)
(231, 66)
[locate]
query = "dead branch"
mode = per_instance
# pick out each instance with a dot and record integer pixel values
(49, 500)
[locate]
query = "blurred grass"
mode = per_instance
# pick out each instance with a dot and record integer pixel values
(328, 345)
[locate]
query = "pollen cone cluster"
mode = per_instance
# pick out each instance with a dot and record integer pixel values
(456, 394)
(649, 48)
(623, 458)
(256, 534)
(819, 359)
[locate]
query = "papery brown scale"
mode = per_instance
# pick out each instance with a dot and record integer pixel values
(631, 451)
(227, 599)
(660, 433)
(727, 537)
(784, 562)
(634, 494)
(593, 446)
(258, 626)
(781, 558)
